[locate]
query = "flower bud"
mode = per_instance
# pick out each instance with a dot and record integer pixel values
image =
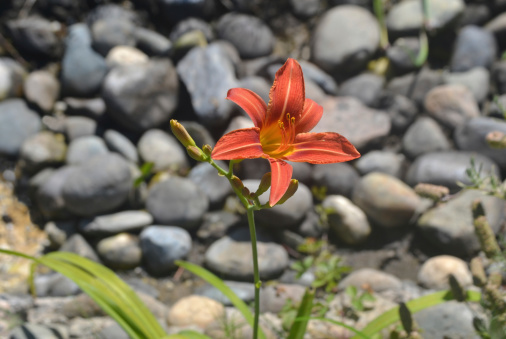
(292, 188)
(195, 153)
(181, 134)
(265, 183)
(237, 183)
(246, 193)
(207, 150)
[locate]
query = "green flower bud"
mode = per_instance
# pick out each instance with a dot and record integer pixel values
(195, 153)
(292, 188)
(265, 183)
(181, 134)
(237, 183)
(207, 149)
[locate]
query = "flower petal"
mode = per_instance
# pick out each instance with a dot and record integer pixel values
(281, 174)
(311, 115)
(239, 144)
(287, 93)
(250, 102)
(322, 148)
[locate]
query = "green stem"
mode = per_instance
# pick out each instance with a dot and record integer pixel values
(258, 283)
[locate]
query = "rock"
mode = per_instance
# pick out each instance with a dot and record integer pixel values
(199, 133)
(274, 297)
(402, 54)
(319, 77)
(43, 149)
(252, 37)
(124, 56)
(76, 127)
(233, 324)
(450, 226)
(12, 77)
(78, 245)
(124, 221)
(17, 124)
(49, 196)
(111, 32)
(424, 136)
(177, 201)
(176, 10)
(339, 178)
(35, 37)
(477, 80)
(368, 278)
(216, 225)
(366, 87)
(112, 11)
(450, 319)
(471, 136)
(497, 26)
(82, 69)
(216, 188)
(381, 161)
(499, 75)
(245, 291)
(474, 47)
(163, 150)
(386, 200)
(345, 39)
(162, 246)
(58, 232)
(305, 9)
(35, 331)
(402, 111)
(415, 86)
(152, 43)
(435, 272)
(291, 213)
(189, 25)
(195, 310)
(447, 168)
(98, 186)
(42, 89)
(406, 17)
(91, 108)
(141, 96)
(361, 125)
(55, 285)
(83, 149)
(117, 142)
(120, 252)
(231, 256)
(451, 104)
(475, 14)
(347, 220)
(208, 74)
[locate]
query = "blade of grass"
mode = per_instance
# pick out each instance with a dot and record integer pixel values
(348, 327)
(303, 315)
(423, 52)
(193, 335)
(223, 288)
(380, 15)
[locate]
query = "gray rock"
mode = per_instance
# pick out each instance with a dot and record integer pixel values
(474, 47)
(17, 123)
(76, 127)
(42, 89)
(78, 245)
(452, 105)
(345, 39)
(199, 133)
(83, 149)
(192, 24)
(415, 86)
(118, 143)
(291, 213)
(98, 186)
(125, 56)
(497, 26)
(450, 226)
(274, 297)
(177, 201)
(55, 285)
(124, 221)
(43, 149)
(91, 108)
(319, 77)
(447, 168)
(35, 37)
(141, 96)
(471, 136)
(378, 281)
(58, 232)
(381, 161)
(244, 290)
(361, 125)
(250, 35)
(49, 196)
(304, 8)
(386, 200)
(450, 319)
(406, 17)
(12, 77)
(231, 256)
(499, 76)
(83, 69)
(152, 43)
(161, 246)
(215, 187)
(216, 224)
(424, 136)
(475, 14)
(435, 272)
(402, 111)
(366, 87)
(339, 178)
(120, 252)
(35, 331)
(477, 80)
(208, 75)
(109, 33)
(112, 11)
(347, 220)
(163, 150)
(402, 54)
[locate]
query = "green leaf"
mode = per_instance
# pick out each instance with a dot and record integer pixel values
(189, 334)
(145, 172)
(223, 288)
(497, 328)
(423, 52)
(406, 318)
(303, 315)
(348, 327)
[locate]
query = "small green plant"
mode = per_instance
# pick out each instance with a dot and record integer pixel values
(488, 183)
(359, 297)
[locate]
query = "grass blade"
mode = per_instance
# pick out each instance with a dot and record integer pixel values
(348, 327)
(303, 315)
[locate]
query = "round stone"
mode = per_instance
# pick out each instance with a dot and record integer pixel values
(42, 89)
(83, 149)
(163, 150)
(195, 310)
(215, 187)
(368, 278)
(124, 221)
(119, 143)
(424, 136)
(43, 149)
(121, 251)
(435, 272)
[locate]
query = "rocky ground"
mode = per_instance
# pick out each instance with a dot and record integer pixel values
(86, 92)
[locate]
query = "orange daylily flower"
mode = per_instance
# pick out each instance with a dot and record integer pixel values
(280, 131)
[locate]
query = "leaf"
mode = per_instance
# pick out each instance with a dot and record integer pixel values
(145, 172)
(189, 334)
(303, 315)
(406, 318)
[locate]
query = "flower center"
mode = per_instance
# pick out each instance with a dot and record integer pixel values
(277, 140)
